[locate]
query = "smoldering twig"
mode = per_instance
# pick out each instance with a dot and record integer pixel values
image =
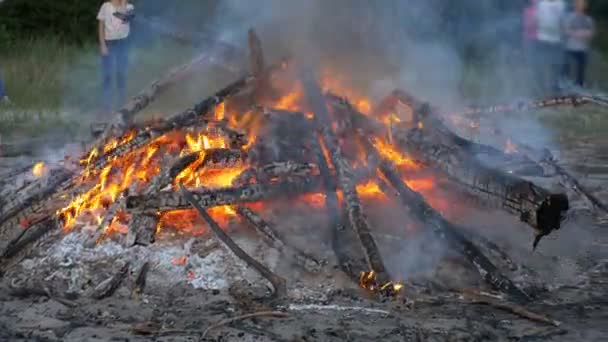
(275, 314)
(480, 298)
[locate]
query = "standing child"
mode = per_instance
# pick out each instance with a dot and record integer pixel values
(579, 30)
(114, 29)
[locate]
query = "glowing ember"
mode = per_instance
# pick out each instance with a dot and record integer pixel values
(369, 281)
(390, 152)
(510, 147)
(39, 169)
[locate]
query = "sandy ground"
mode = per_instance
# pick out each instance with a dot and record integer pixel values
(567, 277)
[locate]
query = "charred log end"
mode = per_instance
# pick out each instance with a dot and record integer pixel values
(551, 213)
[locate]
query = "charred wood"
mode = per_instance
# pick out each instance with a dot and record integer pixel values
(41, 190)
(444, 229)
(437, 147)
(164, 201)
(29, 236)
(218, 158)
(107, 287)
(346, 181)
(142, 229)
(279, 284)
(277, 170)
(274, 239)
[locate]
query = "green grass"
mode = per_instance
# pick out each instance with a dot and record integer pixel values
(56, 87)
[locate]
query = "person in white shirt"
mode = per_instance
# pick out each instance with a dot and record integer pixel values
(549, 16)
(114, 29)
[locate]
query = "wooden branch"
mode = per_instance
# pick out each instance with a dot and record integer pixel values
(279, 284)
(275, 314)
(164, 201)
(443, 228)
(274, 239)
(477, 297)
(275, 170)
(357, 218)
(107, 287)
(188, 117)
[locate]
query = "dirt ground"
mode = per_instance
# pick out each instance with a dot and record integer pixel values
(567, 278)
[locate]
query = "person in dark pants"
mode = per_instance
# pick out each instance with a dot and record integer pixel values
(579, 30)
(114, 30)
(3, 97)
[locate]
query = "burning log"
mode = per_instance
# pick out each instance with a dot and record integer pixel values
(436, 146)
(149, 94)
(219, 158)
(346, 181)
(188, 117)
(274, 239)
(279, 284)
(443, 228)
(275, 170)
(165, 201)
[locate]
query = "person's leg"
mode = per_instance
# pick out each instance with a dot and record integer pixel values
(566, 66)
(581, 67)
(122, 65)
(2, 90)
(107, 69)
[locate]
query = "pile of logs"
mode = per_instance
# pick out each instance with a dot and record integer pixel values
(297, 154)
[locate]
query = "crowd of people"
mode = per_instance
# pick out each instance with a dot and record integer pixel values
(557, 41)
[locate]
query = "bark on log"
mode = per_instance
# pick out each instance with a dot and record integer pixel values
(357, 218)
(443, 228)
(274, 239)
(219, 158)
(279, 284)
(231, 195)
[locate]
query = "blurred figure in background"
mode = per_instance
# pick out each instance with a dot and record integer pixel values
(579, 29)
(549, 16)
(3, 97)
(114, 29)
(530, 41)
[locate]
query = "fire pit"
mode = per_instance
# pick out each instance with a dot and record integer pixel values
(284, 169)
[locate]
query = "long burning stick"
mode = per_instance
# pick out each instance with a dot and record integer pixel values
(279, 284)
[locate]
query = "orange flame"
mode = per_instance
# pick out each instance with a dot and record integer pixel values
(39, 169)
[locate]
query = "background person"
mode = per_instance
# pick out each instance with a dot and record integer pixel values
(579, 29)
(114, 30)
(3, 97)
(549, 16)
